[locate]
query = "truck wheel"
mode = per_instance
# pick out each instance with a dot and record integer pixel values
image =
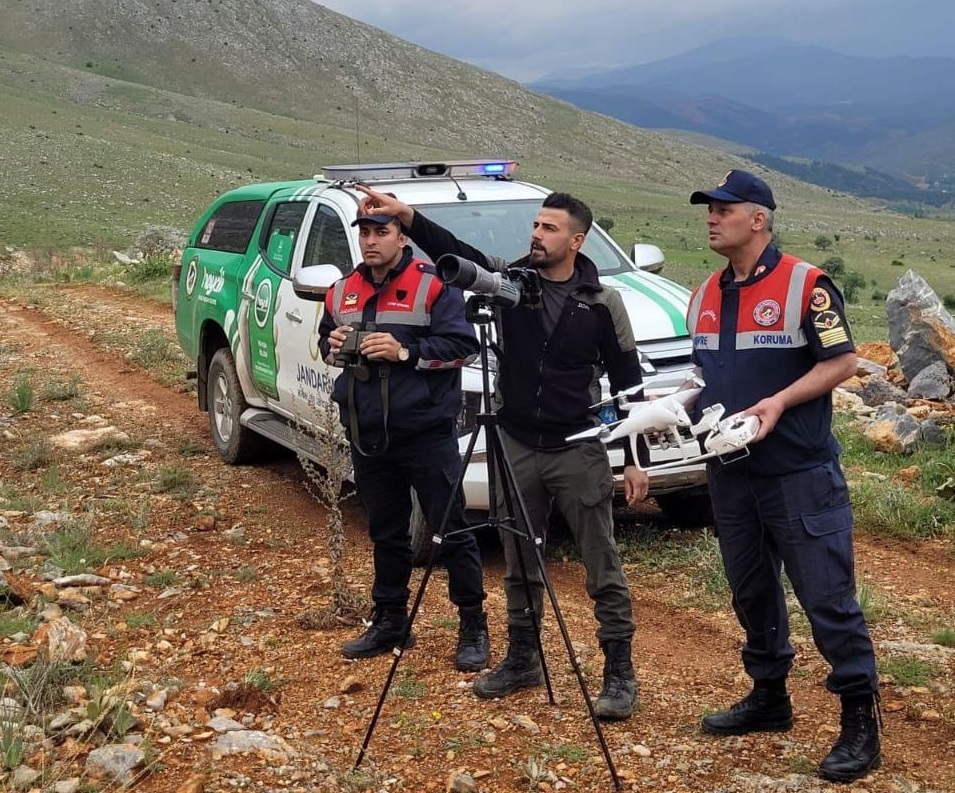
(687, 509)
(235, 443)
(421, 534)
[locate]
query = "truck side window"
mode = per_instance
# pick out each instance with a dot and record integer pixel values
(230, 227)
(278, 238)
(328, 241)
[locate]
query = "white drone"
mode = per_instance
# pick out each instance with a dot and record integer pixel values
(660, 420)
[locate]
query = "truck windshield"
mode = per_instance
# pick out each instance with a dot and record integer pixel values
(503, 228)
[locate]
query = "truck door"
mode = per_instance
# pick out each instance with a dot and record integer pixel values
(267, 290)
(305, 380)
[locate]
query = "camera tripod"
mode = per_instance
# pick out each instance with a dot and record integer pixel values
(500, 474)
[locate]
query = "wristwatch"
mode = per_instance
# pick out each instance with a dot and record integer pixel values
(403, 354)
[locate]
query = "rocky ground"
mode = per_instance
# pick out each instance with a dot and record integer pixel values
(195, 617)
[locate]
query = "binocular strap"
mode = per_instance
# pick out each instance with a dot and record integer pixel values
(384, 371)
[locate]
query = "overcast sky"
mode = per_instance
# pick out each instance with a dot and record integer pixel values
(526, 39)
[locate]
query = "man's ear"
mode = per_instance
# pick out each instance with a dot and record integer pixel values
(577, 241)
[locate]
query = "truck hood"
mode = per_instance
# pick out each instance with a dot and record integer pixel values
(655, 305)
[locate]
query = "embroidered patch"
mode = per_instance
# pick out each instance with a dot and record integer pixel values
(766, 313)
(724, 179)
(351, 298)
(819, 300)
(832, 332)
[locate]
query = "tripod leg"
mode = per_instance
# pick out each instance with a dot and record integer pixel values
(398, 651)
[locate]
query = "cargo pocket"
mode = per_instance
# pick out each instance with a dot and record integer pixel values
(826, 559)
(596, 478)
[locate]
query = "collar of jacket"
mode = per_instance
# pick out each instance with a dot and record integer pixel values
(586, 269)
(406, 257)
(767, 260)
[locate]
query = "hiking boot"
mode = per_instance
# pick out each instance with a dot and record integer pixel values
(858, 749)
(474, 644)
(383, 635)
(766, 708)
(520, 669)
(619, 695)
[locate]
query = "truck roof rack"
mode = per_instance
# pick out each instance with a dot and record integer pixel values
(377, 172)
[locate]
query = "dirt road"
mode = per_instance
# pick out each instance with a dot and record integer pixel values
(228, 565)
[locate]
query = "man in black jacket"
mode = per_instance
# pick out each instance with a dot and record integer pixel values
(550, 358)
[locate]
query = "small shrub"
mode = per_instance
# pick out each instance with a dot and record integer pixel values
(944, 637)
(851, 285)
(834, 266)
(907, 671)
(949, 301)
(33, 455)
(261, 680)
(175, 480)
(162, 579)
(58, 391)
(135, 621)
(822, 242)
(22, 395)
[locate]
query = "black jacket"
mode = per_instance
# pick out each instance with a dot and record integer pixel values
(545, 386)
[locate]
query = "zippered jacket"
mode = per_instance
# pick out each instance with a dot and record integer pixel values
(545, 386)
(756, 337)
(424, 315)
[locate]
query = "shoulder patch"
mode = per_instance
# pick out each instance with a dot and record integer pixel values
(820, 299)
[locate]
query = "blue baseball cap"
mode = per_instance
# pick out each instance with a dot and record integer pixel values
(737, 186)
(381, 220)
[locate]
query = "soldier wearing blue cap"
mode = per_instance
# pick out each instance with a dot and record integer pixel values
(398, 400)
(771, 339)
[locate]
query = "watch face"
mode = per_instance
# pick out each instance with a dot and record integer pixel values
(403, 354)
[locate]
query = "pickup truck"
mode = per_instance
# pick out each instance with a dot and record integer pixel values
(248, 297)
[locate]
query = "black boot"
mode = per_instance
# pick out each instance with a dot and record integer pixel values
(474, 644)
(765, 709)
(619, 695)
(383, 635)
(520, 669)
(858, 749)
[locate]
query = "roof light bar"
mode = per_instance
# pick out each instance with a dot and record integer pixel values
(420, 170)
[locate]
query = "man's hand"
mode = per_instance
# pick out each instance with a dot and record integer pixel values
(380, 347)
(337, 338)
(636, 484)
(768, 412)
(375, 203)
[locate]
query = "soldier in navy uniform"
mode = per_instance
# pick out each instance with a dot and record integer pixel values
(399, 398)
(771, 339)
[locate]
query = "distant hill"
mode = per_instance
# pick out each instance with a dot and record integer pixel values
(889, 114)
(122, 111)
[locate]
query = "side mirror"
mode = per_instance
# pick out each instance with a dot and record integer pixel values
(313, 283)
(647, 257)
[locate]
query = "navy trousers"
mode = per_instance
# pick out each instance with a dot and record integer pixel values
(801, 523)
(430, 463)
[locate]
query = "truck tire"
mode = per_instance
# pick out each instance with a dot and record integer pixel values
(236, 444)
(687, 509)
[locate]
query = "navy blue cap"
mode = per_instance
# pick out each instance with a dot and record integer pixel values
(737, 186)
(381, 220)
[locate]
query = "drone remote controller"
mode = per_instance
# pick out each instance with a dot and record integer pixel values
(732, 434)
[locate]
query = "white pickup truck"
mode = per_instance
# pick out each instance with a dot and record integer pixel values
(248, 300)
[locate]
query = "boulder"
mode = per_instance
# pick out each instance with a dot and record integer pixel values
(933, 382)
(921, 331)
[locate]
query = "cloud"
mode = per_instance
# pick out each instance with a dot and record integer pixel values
(525, 39)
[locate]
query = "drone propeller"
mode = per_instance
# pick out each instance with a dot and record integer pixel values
(633, 390)
(593, 433)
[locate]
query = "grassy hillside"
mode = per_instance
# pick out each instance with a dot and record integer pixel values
(118, 114)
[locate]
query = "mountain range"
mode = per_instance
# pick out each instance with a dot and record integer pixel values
(895, 115)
